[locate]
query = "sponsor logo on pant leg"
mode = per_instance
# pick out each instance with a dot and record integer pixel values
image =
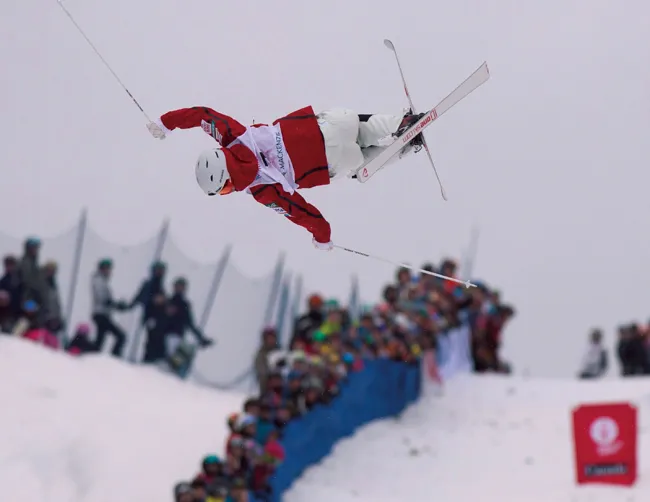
(278, 209)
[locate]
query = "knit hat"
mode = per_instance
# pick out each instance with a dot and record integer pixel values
(319, 336)
(244, 420)
(315, 301)
(211, 460)
(182, 488)
(83, 328)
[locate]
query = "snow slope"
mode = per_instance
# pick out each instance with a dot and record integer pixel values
(488, 439)
(99, 430)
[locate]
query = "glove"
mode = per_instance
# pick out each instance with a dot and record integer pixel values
(323, 246)
(157, 130)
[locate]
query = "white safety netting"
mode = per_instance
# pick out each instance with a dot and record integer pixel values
(234, 317)
(200, 276)
(283, 315)
(10, 245)
(235, 322)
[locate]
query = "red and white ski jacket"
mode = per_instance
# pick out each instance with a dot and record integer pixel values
(269, 161)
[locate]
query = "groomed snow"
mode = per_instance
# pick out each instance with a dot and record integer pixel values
(99, 430)
(487, 439)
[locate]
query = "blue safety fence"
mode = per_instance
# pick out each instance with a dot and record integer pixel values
(382, 389)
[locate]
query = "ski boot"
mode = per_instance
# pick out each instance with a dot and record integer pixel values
(416, 143)
(409, 118)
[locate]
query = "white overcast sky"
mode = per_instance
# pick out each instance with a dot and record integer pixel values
(549, 158)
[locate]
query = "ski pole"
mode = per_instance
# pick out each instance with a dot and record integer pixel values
(467, 284)
(92, 46)
(390, 45)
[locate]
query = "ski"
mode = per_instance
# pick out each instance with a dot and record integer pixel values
(474, 81)
(391, 46)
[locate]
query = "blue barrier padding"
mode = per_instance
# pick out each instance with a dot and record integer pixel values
(382, 389)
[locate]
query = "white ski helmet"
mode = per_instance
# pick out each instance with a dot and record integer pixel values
(211, 171)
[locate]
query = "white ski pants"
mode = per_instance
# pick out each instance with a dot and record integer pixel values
(349, 141)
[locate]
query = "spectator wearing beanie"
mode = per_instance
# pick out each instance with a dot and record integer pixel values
(212, 472)
(103, 306)
(265, 423)
(31, 275)
(262, 367)
(183, 492)
(309, 322)
(239, 490)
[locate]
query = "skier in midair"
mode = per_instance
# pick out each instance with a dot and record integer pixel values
(300, 150)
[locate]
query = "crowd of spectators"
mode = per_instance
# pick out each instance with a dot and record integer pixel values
(31, 307)
(326, 347)
(30, 304)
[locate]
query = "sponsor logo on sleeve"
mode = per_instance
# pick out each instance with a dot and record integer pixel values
(211, 129)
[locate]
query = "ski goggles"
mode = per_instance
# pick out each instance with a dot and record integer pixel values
(227, 188)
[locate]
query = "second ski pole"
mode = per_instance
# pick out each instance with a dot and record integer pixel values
(467, 284)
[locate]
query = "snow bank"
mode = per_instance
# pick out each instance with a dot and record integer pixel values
(96, 429)
(487, 439)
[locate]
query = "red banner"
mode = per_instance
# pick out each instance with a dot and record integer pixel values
(605, 443)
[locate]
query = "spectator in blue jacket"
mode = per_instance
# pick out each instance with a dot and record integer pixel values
(34, 286)
(265, 424)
